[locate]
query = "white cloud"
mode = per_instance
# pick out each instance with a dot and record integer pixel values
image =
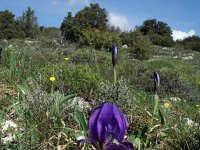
(180, 35)
(118, 20)
(76, 2)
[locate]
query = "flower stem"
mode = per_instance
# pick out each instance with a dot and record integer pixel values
(114, 74)
(101, 146)
(156, 100)
(52, 87)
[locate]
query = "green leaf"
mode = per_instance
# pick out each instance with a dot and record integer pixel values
(79, 135)
(23, 89)
(161, 117)
(55, 109)
(33, 142)
(66, 98)
(162, 134)
(82, 121)
(137, 143)
(132, 138)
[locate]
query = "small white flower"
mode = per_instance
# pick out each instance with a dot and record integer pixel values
(191, 123)
(8, 124)
(9, 138)
(175, 99)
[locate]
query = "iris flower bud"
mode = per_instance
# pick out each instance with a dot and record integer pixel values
(156, 83)
(114, 54)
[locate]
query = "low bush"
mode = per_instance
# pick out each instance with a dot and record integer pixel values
(141, 48)
(99, 39)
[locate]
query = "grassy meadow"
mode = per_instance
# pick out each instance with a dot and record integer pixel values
(48, 90)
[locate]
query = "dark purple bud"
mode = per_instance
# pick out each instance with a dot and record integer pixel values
(156, 82)
(106, 123)
(0, 55)
(114, 54)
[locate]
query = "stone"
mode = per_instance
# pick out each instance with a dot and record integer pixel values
(125, 46)
(187, 58)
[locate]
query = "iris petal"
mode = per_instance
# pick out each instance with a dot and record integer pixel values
(122, 122)
(93, 123)
(128, 144)
(106, 123)
(116, 147)
(104, 120)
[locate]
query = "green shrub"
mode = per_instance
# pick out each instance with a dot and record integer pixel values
(48, 44)
(141, 48)
(161, 40)
(173, 84)
(118, 93)
(99, 39)
(191, 43)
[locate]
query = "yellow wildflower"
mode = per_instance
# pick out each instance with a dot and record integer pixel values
(52, 78)
(166, 104)
(66, 58)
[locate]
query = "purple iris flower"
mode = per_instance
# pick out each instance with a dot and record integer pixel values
(114, 54)
(156, 82)
(107, 127)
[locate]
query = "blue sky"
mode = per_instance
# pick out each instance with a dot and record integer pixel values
(181, 15)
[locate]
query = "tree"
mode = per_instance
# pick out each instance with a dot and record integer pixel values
(28, 23)
(192, 42)
(159, 32)
(7, 25)
(113, 28)
(69, 29)
(92, 16)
